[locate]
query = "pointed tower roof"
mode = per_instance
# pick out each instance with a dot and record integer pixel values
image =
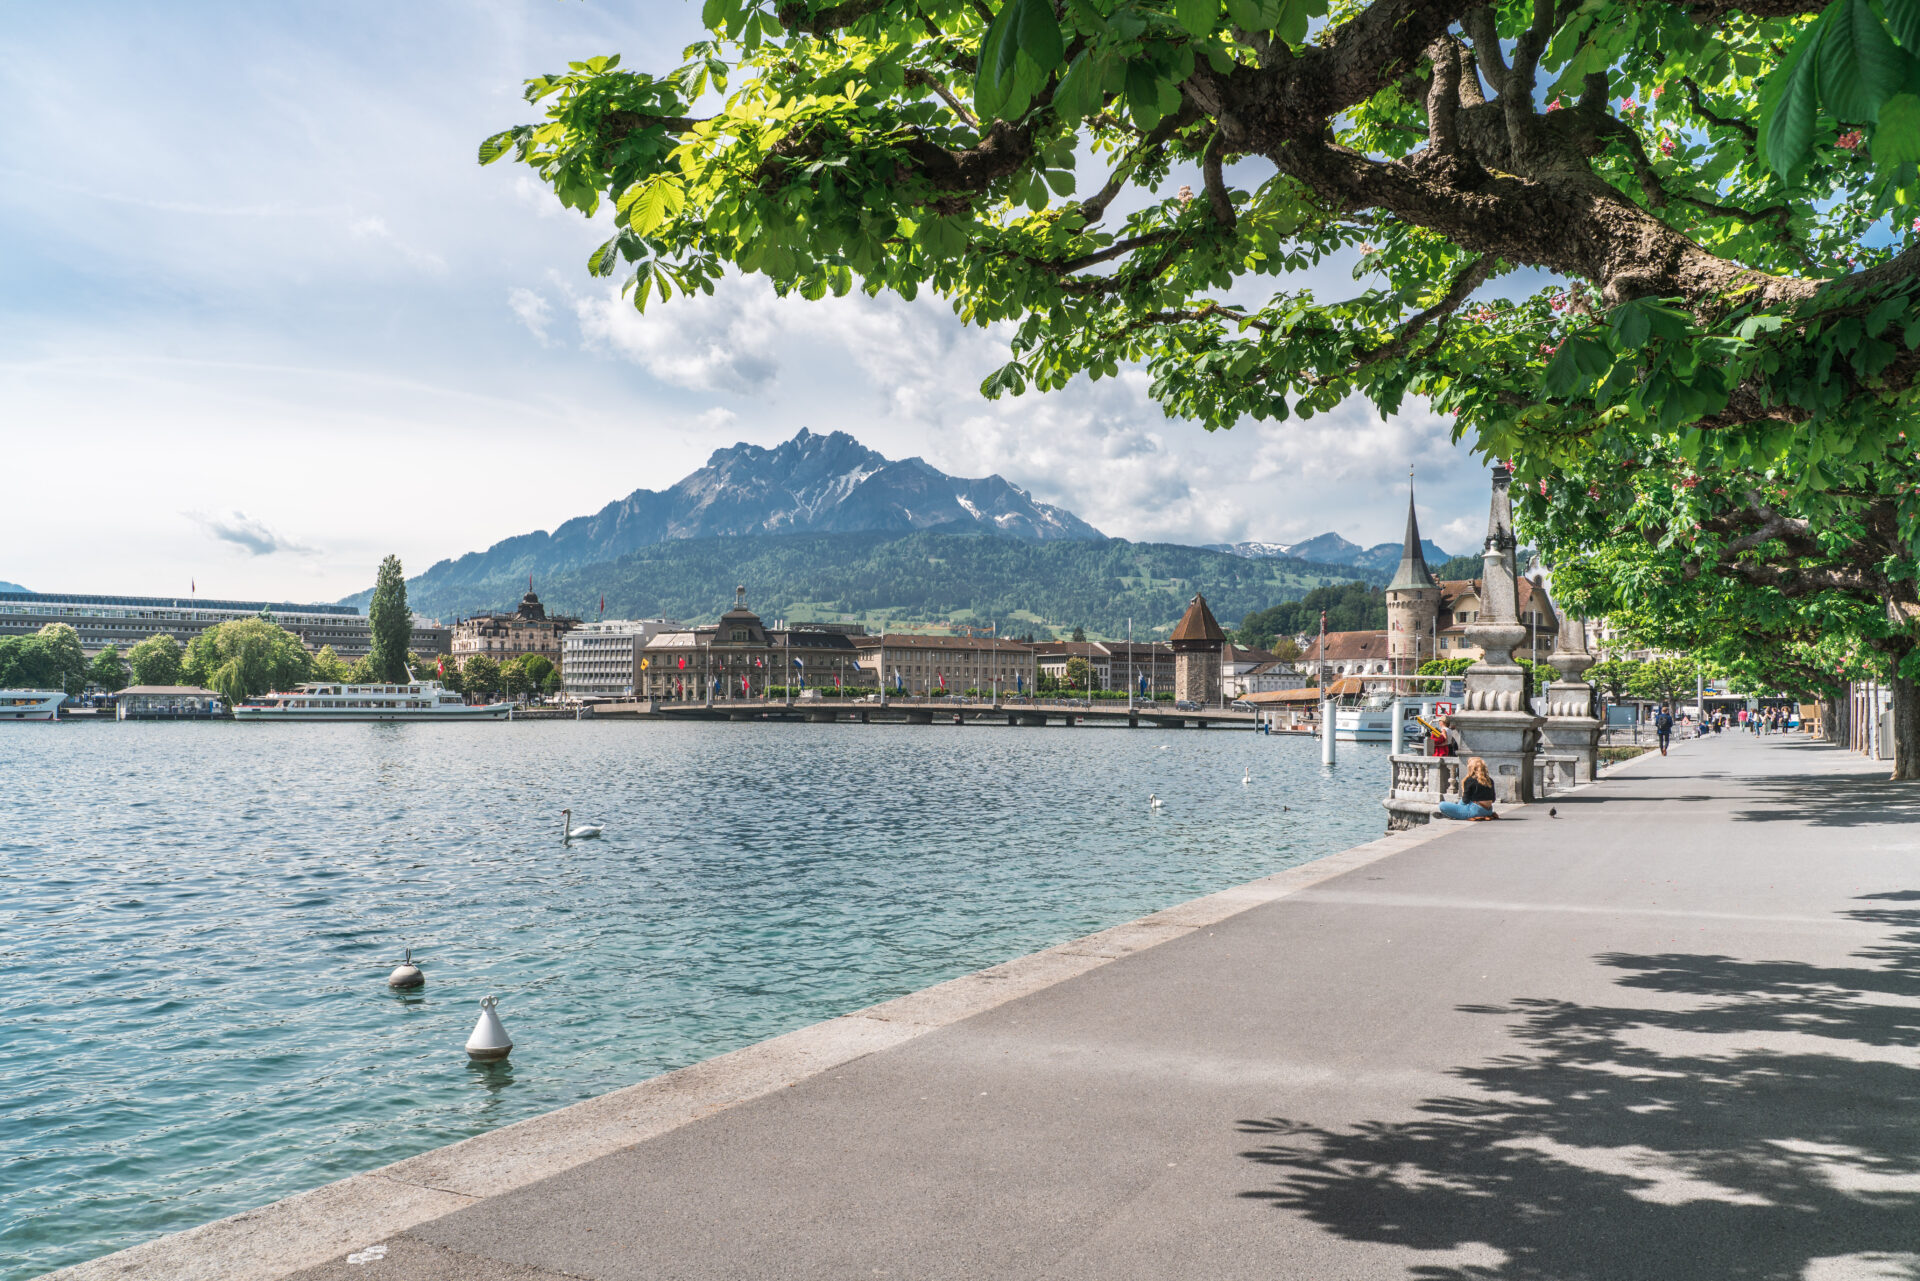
(1413, 571)
(1197, 628)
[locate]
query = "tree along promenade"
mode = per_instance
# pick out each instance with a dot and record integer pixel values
(1673, 1032)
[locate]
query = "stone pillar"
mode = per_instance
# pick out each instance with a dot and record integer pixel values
(1494, 720)
(1572, 729)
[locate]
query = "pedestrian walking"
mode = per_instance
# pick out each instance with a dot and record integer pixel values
(1663, 727)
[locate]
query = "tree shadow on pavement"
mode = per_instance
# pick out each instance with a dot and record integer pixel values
(1832, 800)
(1751, 1120)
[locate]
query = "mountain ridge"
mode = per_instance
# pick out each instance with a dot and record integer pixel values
(809, 484)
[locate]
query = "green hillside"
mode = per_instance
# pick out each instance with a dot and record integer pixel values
(890, 579)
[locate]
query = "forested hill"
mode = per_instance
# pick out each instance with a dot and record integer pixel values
(891, 579)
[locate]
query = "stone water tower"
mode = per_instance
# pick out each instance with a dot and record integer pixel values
(1413, 605)
(1197, 641)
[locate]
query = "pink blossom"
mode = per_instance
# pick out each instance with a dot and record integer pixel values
(1626, 104)
(1186, 193)
(1689, 482)
(1848, 140)
(1555, 105)
(1658, 90)
(1666, 146)
(1543, 488)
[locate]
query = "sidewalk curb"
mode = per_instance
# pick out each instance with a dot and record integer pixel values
(313, 1227)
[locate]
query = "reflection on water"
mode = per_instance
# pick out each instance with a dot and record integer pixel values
(197, 920)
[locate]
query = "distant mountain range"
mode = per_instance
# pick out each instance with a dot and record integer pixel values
(812, 484)
(10, 587)
(1331, 549)
(822, 527)
(887, 580)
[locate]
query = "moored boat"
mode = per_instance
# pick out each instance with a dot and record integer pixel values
(401, 701)
(31, 704)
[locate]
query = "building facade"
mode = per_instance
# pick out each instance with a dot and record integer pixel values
(125, 621)
(1197, 643)
(602, 659)
(741, 657)
(914, 665)
(500, 636)
(1115, 664)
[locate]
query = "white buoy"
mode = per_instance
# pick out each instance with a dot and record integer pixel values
(489, 1042)
(406, 974)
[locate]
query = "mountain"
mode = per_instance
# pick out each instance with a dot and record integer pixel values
(810, 484)
(10, 587)
(1331, 549)
(929, 576)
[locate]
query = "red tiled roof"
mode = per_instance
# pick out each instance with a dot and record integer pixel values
(1347, 645)
(1198, 624)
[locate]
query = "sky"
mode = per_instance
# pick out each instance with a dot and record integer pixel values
(264, 319)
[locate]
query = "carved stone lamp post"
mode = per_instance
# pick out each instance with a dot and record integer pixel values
(1572, 729)
(1494, 721)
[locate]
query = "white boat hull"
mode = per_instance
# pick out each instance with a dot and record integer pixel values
(30, 704)
(326, 701)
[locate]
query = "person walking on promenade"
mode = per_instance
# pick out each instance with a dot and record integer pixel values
(1476, 795)
(1663, 726)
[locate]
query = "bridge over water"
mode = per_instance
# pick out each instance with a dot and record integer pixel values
(943, 711)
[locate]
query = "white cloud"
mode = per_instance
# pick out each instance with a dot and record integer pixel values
(375, 229)
(715, 418)
(534, 311)
(718, 342)
(249, 535)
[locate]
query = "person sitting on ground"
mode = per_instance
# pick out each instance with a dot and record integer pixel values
(1476, 795)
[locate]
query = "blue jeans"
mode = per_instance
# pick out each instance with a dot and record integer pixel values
(1461, 810)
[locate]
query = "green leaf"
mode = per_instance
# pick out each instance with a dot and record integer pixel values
(1196, 17)
(1787, 104)
(1247, 15)
(1078, 94)
(1143, 94)
(1037, 33)
(648, 204)
(495, 147)
(1860, 66)
(1294, 17)
(1903, 19)
(1896, 135)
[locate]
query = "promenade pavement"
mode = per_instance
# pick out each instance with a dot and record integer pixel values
(1673, 1032)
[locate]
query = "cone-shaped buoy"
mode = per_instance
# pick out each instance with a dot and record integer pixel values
(406, 974)
(489, 1042)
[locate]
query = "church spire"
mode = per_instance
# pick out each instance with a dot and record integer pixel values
(1413, 571)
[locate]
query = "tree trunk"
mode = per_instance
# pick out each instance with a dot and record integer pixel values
(1906, 728)
(1830, 712)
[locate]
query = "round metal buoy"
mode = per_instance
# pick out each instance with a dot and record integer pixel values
(406, 974)
(489, 1042)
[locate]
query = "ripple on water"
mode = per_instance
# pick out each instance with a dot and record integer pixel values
(197, 920)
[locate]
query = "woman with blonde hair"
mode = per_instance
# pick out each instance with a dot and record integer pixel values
(1476, 794)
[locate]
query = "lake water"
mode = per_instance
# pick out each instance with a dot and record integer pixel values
(197, 920)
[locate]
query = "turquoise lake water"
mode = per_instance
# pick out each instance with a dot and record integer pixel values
(197, 920)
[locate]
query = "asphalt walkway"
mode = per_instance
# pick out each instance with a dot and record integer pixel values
(1673, 1033)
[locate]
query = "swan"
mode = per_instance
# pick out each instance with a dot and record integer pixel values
(569, 832)
(1154, 802)
(1248, 776)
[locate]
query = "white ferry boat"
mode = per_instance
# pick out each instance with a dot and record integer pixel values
(1368, 718)
(31, 704)
(327, 701)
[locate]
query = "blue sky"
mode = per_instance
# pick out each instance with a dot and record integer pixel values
(263, 320)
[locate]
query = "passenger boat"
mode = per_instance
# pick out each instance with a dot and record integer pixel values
(1368, 718)
(31, 704)
(328, 701)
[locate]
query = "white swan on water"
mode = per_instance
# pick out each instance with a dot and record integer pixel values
(1248, 776)
(569, 832)
(1154, 802)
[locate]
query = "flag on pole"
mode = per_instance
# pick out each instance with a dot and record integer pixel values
(603, 602)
